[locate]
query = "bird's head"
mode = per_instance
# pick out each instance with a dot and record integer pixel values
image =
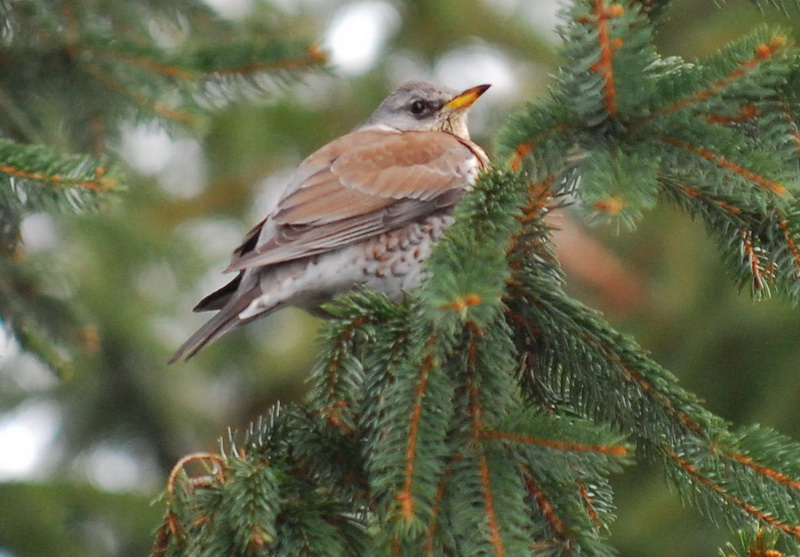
(424, 106)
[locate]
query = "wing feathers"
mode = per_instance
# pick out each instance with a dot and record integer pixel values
(332, 204)
(361, 185)
(320, 239)
(220, 297)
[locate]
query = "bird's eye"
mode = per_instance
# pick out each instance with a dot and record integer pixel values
(418, 107)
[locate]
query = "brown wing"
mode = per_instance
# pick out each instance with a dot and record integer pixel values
(358, 186)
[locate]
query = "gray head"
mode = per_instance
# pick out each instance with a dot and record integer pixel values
(425, 106)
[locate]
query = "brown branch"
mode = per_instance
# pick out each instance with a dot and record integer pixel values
(405, 496)
(437, 506)
(726, 207)
(520, 152)
(762, 53)
(539, 194)
(544, 504)
(483, 470)
(173, 526)
(654, 394)
(722, 162)
(333, 412)
(764, 470)
(461, 303)
(315, 56)
(614, 450)
(157, 107)
(488, 500)
(628, 374)
(613, 204)
(604, 66)
(150, 65)
(765, 517)
(746, 112)
(101, 183)
(476, 413)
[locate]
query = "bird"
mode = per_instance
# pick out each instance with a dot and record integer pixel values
(364, 209)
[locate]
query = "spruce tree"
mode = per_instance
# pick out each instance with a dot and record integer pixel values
(487, 413)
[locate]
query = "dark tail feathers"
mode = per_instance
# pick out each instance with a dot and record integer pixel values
(221, 323)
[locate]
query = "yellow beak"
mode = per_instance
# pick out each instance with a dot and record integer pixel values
(465, 99)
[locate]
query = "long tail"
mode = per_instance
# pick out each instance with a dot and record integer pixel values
(226, 319)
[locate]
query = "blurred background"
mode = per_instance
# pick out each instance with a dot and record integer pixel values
(83, 456)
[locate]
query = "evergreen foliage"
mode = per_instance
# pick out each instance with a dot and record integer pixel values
(152, 61)
(486, 413)
(716, 137)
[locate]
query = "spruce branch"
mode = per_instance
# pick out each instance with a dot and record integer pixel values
(145, 61)
(34, 178)
(538, 139)
(705, 459)
(260, 496)
(627, 128)
(206, 77)
(725, 495)
(607, 46)
(749, 69)
(76, 72)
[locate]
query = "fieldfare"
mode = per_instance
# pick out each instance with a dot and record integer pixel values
(366, 209)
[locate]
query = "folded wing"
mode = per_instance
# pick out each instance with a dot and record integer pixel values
(358, 186)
